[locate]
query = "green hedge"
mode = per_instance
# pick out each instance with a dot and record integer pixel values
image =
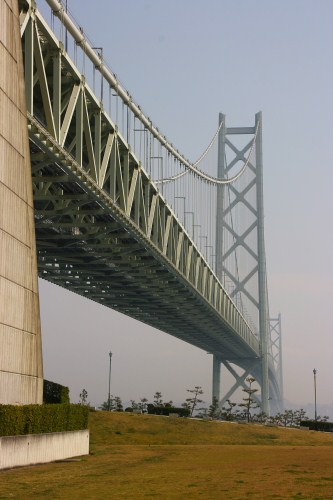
(166, 410)
(40, 419)
(317, 425)
(55, 393)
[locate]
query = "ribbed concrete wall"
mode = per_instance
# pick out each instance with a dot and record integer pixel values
(16, 451)
(21, 371)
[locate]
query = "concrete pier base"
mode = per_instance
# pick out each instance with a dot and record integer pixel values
(21, 370)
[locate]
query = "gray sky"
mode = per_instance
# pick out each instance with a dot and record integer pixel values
(184, 61)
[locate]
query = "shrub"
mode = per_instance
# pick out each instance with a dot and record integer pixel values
(40, 419)
(166, 410)
(314, 425)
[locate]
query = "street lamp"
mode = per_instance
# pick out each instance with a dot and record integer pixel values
(315, 391)
(110, 354)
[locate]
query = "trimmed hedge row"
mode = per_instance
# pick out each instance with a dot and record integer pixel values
(55, 393)
(166, 410)
(317, 425)
(40, 419)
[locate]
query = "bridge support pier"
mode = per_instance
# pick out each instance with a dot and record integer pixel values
(216, 377)
(21, 371)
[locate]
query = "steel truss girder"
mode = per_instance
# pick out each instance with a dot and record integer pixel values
(83, 168)
(77, 247)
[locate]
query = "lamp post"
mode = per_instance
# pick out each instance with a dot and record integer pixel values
(109, 396)
(315, 391)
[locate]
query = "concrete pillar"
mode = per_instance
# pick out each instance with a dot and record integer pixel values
(21, 370)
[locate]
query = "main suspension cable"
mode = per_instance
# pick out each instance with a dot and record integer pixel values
(82, 40)
(191, 167)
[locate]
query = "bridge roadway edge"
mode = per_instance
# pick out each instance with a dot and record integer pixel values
(21, 369)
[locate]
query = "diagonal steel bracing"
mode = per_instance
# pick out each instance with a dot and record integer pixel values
(231, 198)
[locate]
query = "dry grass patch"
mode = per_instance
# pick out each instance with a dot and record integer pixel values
(139, 456)
(151, 429)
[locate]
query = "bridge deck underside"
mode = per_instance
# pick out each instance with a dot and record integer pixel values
(84, 248)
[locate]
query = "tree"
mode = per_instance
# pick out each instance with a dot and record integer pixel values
(286, 419)
(214, 410)
(277, 419)
(134, 405)
(300, 415)
(289, 418)
(325, 418)
(193, 401)
(118, 404)
(83, 397)
(186, 405)
(261, 417)
(227, 411)
(113, 404)
(143, 405)
(158, 401)
(104, 406)
(249, 402)
(108, 405)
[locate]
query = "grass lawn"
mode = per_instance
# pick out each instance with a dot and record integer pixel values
(144, 456)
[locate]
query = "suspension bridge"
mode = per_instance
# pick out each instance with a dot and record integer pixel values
(123, 217)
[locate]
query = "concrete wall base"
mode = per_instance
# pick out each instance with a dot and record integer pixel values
(21, 364)
(16, 451)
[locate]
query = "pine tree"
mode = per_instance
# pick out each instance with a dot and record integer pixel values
(249, 402)
(214, 410)
(143, 405)
(83, 398)
(194, 400)
(108, 405)
(158, 401)
(118, 404)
